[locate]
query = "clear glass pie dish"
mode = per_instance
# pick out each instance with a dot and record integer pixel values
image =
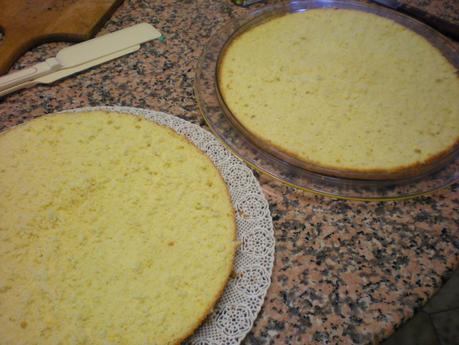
(270, 161)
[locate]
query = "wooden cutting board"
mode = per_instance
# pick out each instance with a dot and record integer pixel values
(28, 23)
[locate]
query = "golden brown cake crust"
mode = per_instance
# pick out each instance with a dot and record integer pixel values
(229, 268)
(432, 163)
(222, 290)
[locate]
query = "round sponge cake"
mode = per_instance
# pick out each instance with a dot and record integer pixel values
(113, 230)
(344, 92)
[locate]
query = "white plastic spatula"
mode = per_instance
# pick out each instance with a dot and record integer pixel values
(81, 56)
(65, 72)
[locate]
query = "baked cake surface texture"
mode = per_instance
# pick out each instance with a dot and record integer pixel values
(343, 90)
(113, 230)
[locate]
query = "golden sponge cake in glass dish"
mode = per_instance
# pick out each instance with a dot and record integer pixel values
(344, 93)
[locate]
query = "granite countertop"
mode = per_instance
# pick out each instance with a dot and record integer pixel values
(345, 272)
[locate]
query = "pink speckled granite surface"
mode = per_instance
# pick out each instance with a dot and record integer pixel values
(345, 272)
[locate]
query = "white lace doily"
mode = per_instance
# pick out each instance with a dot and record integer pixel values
(243, 297)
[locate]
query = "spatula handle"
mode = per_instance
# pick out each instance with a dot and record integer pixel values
(29, 73)
(24, 85)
